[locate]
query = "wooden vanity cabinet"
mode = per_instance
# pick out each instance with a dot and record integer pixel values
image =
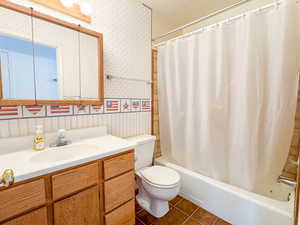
(22, 198)
(96, 193)
(80, 209)
(37, 217)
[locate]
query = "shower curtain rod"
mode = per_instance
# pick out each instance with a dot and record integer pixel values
(202, 19)
(275, 3)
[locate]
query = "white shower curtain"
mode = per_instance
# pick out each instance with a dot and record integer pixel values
(227, 97)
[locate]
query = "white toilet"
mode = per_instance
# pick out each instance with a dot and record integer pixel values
(156, 184)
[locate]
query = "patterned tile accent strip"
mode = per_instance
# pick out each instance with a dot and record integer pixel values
(81, 109)
(135, 105)
(59, 110)
(111, 106)
(10, 111)
(34, 111)
(125, 105)
(97, 109)
(146, 105)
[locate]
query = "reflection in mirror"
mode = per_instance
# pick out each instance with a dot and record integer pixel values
(16, 55)
(89, 67)
(56, 61)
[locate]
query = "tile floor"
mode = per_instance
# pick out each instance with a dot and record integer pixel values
(181, 212)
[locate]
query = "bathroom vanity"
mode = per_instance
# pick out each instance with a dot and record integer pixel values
(91, 187)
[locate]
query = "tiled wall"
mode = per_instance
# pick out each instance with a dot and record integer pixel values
(124, 117)
(290, 170)
(126, 26)
(155, 111)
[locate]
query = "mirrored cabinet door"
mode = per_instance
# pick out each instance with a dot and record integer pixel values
(44, 60)
(57, 61)
(89, 67)
(16, 56)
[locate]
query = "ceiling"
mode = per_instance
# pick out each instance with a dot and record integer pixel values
(180, 12)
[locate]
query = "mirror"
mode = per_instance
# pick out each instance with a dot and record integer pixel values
(56, 61)
(16, 55)
(48, 61)
(89, 67)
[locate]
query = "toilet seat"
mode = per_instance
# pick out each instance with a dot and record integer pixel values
(160, 176)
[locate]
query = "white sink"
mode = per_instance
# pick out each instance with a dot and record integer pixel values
(62, 153)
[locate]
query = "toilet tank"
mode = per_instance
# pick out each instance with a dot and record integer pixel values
(144, 150)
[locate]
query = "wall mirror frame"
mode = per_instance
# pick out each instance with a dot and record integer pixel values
(38, 15)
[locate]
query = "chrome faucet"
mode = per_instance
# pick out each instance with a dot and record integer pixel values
(61, 139)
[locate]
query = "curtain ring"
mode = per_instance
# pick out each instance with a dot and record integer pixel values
(278, 4)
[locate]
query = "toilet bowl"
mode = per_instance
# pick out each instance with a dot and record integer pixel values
(156, 184)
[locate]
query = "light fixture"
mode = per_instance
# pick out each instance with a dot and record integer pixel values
(85, 5)
(85, 8)
(67, 3)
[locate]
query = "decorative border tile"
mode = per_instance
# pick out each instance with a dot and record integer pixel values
(110, 106)
(146, 105)
(97, 109)
(81, 109)
(59, 110)
(34, 111)
(135, 105)
(125, 105)
(10, 112)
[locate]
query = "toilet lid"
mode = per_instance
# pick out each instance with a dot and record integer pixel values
(160, 175)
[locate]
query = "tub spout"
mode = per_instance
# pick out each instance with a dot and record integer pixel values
(284, 180)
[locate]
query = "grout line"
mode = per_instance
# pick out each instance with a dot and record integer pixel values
(190, 216)
(138, 212)
(138, 219)
(176, 202)
(216, 221)
(185, 213)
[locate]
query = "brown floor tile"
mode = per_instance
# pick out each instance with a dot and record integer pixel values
(203, 217)
(148, 219)
(138, 222)
(138, 208)
(221, 222)
(173, 217)
(191, 222)
(176, 200)
(179, 214)
(186, 206)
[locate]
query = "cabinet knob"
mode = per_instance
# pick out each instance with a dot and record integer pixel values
(8, 178)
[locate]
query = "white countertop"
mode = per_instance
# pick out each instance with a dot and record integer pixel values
(28, 163)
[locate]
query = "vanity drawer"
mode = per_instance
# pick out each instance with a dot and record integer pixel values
(124, 215)
(118, 165)
(118, 191)
(19, 199)
(74, 180)
(37, 217)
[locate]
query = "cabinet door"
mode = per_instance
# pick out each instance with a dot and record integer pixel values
(79, 209)
(37, 217)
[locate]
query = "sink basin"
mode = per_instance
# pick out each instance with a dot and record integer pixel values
(52, 156)
(62, 153)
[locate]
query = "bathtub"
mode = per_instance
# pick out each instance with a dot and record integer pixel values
(233, 204)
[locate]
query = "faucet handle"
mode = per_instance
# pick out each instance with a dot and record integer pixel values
(61, 132)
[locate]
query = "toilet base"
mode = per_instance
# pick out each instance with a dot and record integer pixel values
(157, 208)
